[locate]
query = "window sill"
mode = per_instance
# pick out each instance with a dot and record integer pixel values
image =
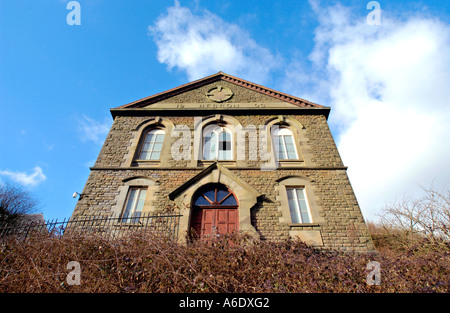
(304, 225)
(147, 162)
(291, 161)
(212, 161)
(209, 162)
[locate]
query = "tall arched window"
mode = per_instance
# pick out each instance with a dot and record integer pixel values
(152, 145)
(217, 143)
(283, 142)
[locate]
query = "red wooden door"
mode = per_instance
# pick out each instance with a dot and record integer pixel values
(215, 213)
(226, 221)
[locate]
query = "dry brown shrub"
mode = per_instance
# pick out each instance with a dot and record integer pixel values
(142, 262)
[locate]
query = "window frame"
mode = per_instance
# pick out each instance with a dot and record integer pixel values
(130, 217)
(217, 130)
(137, 136)
(148, 183)
(309, 233)
(213, 201)
(269, 157)
(154, 131)
(298, 210)
(276, 137)
(312, 198)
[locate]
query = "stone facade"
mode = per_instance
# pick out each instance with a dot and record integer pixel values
(336, 220)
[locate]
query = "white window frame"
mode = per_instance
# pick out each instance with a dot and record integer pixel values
(280, 133)
(297, 209)
(151, 150)
(130, 218)
(217, 130)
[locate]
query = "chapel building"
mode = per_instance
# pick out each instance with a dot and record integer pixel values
(229, 156)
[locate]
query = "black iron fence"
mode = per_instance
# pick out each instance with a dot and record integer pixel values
(166, 224)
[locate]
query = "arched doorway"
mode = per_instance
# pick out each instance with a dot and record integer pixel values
(214, 212)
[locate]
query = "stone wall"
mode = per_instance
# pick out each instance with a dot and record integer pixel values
(318, 145)
(341, 223)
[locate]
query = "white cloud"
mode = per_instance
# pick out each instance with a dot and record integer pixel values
(204, 44)
(33, 179)
(387, 86)
(92, 130)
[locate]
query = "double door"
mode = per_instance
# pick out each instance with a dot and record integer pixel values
(214, 221)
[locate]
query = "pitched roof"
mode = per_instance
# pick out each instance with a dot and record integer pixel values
(224, 77)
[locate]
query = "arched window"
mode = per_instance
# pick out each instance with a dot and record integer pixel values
(217, 143)
(152, 145)
(215, 196)
(283, 142)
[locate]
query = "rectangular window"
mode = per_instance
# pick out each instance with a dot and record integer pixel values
(289, 148)
(298, 206)
(134, 205)
(152, 146)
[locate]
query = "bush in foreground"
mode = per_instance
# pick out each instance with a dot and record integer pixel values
(140, 262)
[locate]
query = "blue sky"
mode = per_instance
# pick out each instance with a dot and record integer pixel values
(387, 84)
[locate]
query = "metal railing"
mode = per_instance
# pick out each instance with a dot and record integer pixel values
(166, 224)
